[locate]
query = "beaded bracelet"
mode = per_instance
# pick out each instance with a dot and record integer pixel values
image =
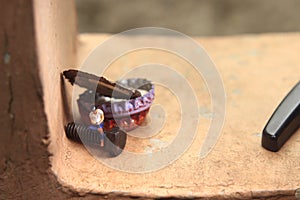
(124, 113)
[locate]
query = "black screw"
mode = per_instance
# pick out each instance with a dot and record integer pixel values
(81, 133)
(115, 140)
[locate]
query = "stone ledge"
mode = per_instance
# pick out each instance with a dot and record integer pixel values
(237, 167)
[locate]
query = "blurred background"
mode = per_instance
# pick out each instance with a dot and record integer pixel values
(192, 17)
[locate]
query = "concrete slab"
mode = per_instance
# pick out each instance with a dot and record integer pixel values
(257, 72)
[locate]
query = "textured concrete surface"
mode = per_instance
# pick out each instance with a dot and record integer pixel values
(29, 56)
(257, 71)
(56, 46)
(24, 159)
